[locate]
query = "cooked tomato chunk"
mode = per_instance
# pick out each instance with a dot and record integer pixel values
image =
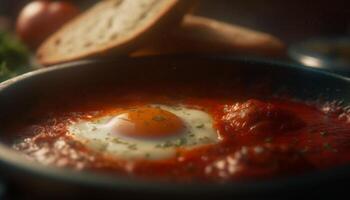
(259, 117)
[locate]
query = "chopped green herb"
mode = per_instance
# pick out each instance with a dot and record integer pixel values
(200, 126)
(14, 57)
(329, 147)
(323, 133)
(164, 145)
(180, 142)
(205, 140)
(268, 140)
(177, 108)
(132, 147)
(159, 118)
(118, 141)
(168, 144)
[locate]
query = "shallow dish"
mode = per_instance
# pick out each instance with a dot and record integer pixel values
(18, 94)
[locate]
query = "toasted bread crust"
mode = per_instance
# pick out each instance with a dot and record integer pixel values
(203, 35)
(166, 14)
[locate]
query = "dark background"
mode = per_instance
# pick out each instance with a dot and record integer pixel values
(290, 20)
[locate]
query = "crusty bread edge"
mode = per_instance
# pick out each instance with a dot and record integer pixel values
(197, 34)
(170, 15)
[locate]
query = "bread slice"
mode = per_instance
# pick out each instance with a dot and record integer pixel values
(111, 26)
(203, 35)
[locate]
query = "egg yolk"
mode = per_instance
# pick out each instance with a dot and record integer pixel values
(148, 122)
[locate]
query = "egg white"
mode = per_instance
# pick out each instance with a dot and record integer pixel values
(97, 135)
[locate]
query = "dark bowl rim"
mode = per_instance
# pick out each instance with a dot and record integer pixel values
(9, 158)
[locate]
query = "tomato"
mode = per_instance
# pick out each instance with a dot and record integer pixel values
(39, 19)
(259, 118)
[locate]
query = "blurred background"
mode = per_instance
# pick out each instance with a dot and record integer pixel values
(292, 21)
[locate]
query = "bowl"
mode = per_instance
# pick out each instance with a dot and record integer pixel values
(329, 54)
(32, 179)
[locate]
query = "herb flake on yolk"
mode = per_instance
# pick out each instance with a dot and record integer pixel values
(149, 122)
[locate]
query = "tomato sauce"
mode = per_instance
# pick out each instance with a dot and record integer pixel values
(260, 137)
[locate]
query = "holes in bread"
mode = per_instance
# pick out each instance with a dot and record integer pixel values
(58, 41)
(117, 3)
(113, 36)
(110, 22)
(88, 44)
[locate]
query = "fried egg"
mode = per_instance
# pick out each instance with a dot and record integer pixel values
(151, 132)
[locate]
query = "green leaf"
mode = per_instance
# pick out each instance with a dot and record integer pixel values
(14, 57)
